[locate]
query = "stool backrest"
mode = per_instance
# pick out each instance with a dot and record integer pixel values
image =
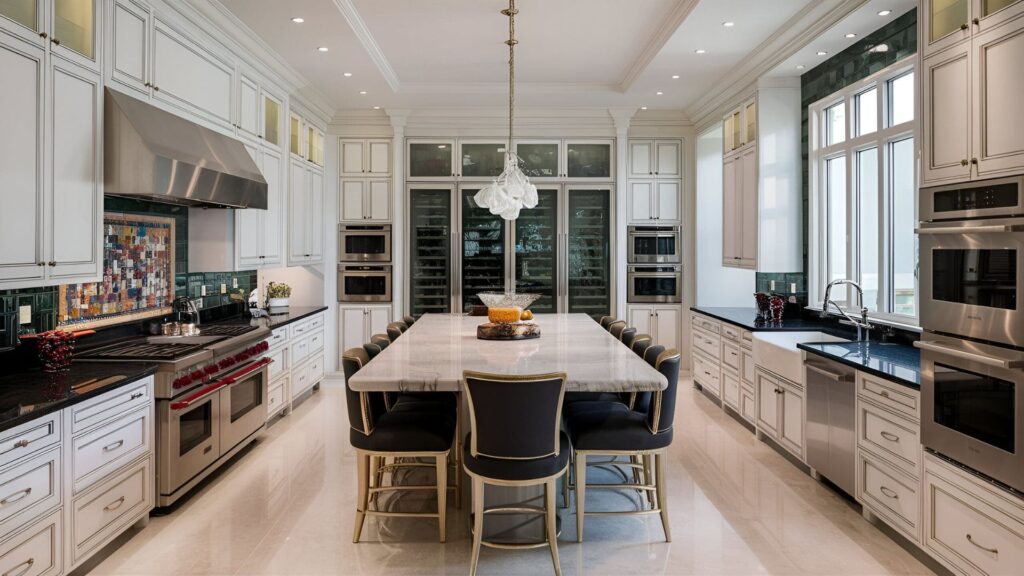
(661, 413)
(409, 320)
(372, 349)
(627, 336)
(395, 330)
(381, 340)
(616, 328)
(640, 343)
(364, 408)
(651, 354)
(514, 417)
(606, 320)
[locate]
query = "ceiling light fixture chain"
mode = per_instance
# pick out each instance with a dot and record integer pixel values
(511, 13)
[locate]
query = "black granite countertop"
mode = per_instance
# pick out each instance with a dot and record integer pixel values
(747, 318)
(29, 394)
(295, 313)
(897, 363)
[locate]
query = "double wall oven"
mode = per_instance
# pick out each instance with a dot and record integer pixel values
(654, 273)
(972, 309)
(364, 263)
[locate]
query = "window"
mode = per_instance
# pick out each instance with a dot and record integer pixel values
(864, 194)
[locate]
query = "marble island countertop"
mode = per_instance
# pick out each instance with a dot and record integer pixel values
(897, 363)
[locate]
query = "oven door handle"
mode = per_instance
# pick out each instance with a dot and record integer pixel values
(254, 367)
(933, 346)
(992, 229)
(201, 394)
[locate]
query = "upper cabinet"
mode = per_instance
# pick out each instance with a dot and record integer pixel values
(480, 159)
(970, 91)
(654, 180)
(305, 213)
(258, 233)
(187, 75)
(654, 158)
(305, 141)
(589, 160)
(130, 40)
(362, 158)
(431, 159)
(542, 160)
(739, 127)
(67, 28)
(259, 112)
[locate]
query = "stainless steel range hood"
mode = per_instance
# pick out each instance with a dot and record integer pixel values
(155, 155)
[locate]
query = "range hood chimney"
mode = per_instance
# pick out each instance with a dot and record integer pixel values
(154, 155)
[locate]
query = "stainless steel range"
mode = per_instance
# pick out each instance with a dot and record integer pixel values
(211, 395)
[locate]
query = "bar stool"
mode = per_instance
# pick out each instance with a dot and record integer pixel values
(396, 329)
(606, 320)
(619, 431)
(515, 439)
(640, 343)
(616, 328)
(409, 320)
(627, 336)
(372, 349)
(376, 433)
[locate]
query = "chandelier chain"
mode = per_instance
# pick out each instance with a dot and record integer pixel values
(511, 12)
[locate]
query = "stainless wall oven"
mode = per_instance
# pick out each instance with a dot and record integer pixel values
(654, 284)
(653, 245)
(972, 399)
(364, 243)
(364, 283)
(971, 250)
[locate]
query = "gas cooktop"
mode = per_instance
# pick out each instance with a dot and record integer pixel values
(135, 350)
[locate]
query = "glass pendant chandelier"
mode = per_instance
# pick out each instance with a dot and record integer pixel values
(511, 191)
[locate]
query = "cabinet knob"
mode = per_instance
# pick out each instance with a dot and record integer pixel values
(964, 26)
(964, 162)
(52, 263)
(40, 263)
(974, 161)
(56, 41)
(43, 35)
(155, 87)
(976, 22)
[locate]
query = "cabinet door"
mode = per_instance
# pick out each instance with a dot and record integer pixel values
(74, 30)
(667, 197)
(728, 145)
(353, 194)
(642, 318)
(24, 18)
(767, 404)
(295, 139)
(314, 221)
(380, 201)
(666, 320)
(299, 206)
(946, 99)
(354, 332)
(540, 159)
(641, 158)
(270, 115)
(791, 433)
(188, 76)
(641, 200)
(748, 207)
(248, 105)
(273, 217)
(480, 159)
(352, 163)
(991, 13)
(129, 49)
(249, 225)
(945, 23)
(731, 390)
(731, 218)
(378, 318)
(431, 160)
(747, 367)
(21, 162)
(380, 157)
(667, 159)
(998, 56)
(591, 160)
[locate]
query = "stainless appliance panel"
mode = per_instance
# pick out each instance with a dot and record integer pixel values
(972, 275)
(243, 406)
(831, 422)
(653, 245)
(654, 284)
(364, 243)
(973, 405)
(981, 199)
(189, 439)
(364, 283)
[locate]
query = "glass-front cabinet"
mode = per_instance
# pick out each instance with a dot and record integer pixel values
(431, 159)
(536, 251)
(482, 254)
(590, 160)
(480, 159)
(271, 119)
(949, 22)
(74, 26)
(430, 249)
(70, 27)
(540, 159)
(588, 235)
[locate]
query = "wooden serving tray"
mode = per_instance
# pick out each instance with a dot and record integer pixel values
(508, 331)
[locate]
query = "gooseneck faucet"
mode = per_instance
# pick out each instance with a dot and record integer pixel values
(862, 324)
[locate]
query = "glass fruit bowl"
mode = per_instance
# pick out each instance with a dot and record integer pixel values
(519, 300)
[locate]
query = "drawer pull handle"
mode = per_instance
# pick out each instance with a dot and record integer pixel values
(114, 505)
(985, 548)
(16, 496)
(25, 567)
(884, 393)
(889, 436)
(136, 396)
(21, 443)
(889, 492)
(114, 446)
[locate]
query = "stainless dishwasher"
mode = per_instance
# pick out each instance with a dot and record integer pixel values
(831, 421)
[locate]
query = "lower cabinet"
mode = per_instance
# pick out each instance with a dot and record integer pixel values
(780, 411)
(297, 350)
(661, 321)
(707, 374)
(35, 550)
(358, 323)
(100, 514)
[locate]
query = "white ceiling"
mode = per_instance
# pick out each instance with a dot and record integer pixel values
(572, 53)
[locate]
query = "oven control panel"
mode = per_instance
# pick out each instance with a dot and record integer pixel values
(203, 374)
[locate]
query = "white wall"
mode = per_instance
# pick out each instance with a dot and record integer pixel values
(716, 284)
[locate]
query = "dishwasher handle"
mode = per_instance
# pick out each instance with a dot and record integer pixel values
(834, 376)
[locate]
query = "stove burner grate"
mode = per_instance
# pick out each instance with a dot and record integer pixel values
(143, 351)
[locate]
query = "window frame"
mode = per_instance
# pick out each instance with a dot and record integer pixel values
(820, 152)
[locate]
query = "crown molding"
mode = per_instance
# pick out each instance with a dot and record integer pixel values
(668, 28)
(742, 79)
(362, 32)
(502, 87)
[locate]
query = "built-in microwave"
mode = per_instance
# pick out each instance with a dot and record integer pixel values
(653, 245)
(364, 283)
(654, 284)
(364, 243)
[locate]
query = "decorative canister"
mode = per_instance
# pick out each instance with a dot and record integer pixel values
(777, 305)
(55, 350)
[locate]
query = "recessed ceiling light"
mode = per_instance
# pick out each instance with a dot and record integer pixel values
(323, 49)
(851, 35)
(643, 107)
(376, 107)
(728, 24)
(363, 92)
(799, 66)
(347, 74)
(675, 76)
(659, 93)
(298, 20)
(700, 51)
(885, 12)
(822, 53)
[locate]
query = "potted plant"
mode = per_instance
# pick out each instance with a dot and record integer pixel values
(277, 295)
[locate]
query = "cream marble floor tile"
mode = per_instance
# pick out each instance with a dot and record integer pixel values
(286, 507)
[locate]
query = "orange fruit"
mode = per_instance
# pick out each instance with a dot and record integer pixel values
(527, 315)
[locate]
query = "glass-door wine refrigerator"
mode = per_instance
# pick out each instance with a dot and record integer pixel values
(561, 249)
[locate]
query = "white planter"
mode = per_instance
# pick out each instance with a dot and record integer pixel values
(277, 303)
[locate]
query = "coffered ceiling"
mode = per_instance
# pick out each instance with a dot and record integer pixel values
(414, 54)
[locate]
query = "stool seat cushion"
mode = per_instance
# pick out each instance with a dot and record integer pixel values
(573, 397)
(517, 470)
(615, 427)
(408, 432)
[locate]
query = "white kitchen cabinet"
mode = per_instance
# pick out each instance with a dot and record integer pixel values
(258, 233)
(71, 30)
(358, 323)
(129, 46)
(654, 158)
(768, 410)
(305, 217)
(641, 158)
(653, 200)
(740, 198)
(947, 23)
(749, 210)
(780, 411)
(187, 75)
(365, 200)
(740, 126)
(362, 158)
(247, 105)
(997, 82)
(661, 321)
(668, 158)
(946, 100)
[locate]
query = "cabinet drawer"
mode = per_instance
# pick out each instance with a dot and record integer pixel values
(705, 323)
(300, 380)
(275, 398)
(747, 366)
(890, 495)
(300, 350)
(730, 390)
(900, 398)
(103, 512)
(29, 438)
(970, 533)
(316, 342)
(308, 325)
(707, 375)
(112, 404)
(278, 336)
(316, 369)
(110, 446)
(709, 344)
(29, 488)
(35, 551)
(892, 437)
(316, 321)
(279, 365)
(748, 405)
(732, 357)
(731, 332)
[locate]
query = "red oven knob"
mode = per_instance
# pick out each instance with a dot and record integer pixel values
(224, 363)
(211, 369)
(182, 381)
(196, 375)
(264, 346)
